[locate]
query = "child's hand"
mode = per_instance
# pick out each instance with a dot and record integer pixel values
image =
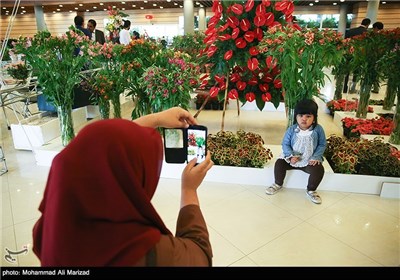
(294, 159)
(313, 162)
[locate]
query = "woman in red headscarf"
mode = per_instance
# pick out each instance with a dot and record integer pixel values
(97, 211)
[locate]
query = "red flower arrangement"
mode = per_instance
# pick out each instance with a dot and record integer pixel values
(232, 37)
(344, 105)
(379, 126)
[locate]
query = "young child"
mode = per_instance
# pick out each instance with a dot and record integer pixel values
(303, 147)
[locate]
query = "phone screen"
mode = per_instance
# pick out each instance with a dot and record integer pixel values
(197, 143)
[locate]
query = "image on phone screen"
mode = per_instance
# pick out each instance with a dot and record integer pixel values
(173, 138)
(196, 144)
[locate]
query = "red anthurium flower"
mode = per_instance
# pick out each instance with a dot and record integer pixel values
(235, 33)
(267, 78)
(210, 39)
(260, 10)
(203, 83)
(249, 36)
(237, 9)
(258, 33)
(277, 83)
(214, 91)
(275, 23)
(270, 61)
(211, 50)
(217, 7)
(266, 97)
(252, 63)
(245, 24)
(224, 37)
(249, 5)
(259, 21)
(219, 79)
(263, 87)
(223, 87)
(240, 43)
(280, 6)
(228, 55)
(250, 96)
(222, 28)
(276, 70)
(289, 8)
(253, 51)
(204, 77)
(235, 77)
(241, 85)
(233, 94)
(233, 21)
(269, 18)
(266, 3)
(210, 30)
(253, 81)
(213, 21)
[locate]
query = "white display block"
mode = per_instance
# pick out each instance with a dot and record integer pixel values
(269, 107)
(25, 135)
(378, 109)
(339, 115)
(127, 105)
(391, 190)
(92, 111)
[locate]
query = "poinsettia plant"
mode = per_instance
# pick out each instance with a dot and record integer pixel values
(379, 126)
(344, 105)
(237, 69)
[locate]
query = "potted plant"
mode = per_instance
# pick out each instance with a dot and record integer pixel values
(344, 105)
(243, 149)
(355, 127)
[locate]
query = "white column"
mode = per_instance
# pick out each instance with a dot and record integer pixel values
(202, 19)
(372, 10)
(188, 17)
(39, 14)
(342, 18)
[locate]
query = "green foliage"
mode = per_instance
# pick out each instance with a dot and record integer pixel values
(361, 156)
(245, 149)
(191, 44)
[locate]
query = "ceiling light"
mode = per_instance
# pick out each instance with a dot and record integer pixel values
(87, 10)
(168, 0)
(311, 4)
(161, 7)
(154, 4)
(342, 0)
(141, 8)
(58, 10)
(134, 5)
(176, 4)
(334, 4)
(101, 4)
(94, 7)
(76, 8)
(81, 4)
(60, 6)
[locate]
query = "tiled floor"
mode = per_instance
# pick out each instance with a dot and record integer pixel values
(247, 227)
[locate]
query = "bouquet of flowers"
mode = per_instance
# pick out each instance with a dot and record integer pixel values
(19, 70)
(115, 22)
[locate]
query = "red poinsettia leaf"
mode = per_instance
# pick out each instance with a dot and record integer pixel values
(250, 96)
(266, 97)
(253, 51)
(228, 55)
(263, 87)
(249, 5)
(252, 63)
(269, 18)
(235, 33)
(259, 21)
(260, 10)
(214, 91)
(235, 77)
(277, 83)
(253, 81)
(224, 37)
(241, 85)
(240, 43)
(249, 36)
(245, 24)
(237, 9)
(233, 21)
(233, 94)
(266, 3)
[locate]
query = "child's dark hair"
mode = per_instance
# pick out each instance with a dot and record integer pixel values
(306, 106)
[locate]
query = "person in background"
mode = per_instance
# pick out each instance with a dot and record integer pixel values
(163, 42)
(78, 20)
(376, 27)
(97, 35)
(135, 35)
(303, 146)
(349, 34)
(97, 210)
(124, 35)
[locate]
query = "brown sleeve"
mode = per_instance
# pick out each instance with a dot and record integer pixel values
(191, 245)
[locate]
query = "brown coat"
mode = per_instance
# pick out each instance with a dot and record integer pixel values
(189, 247)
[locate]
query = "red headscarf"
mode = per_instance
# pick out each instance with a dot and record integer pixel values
(96, 209)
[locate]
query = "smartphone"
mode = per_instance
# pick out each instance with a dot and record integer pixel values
(196, 143)
(182, 145)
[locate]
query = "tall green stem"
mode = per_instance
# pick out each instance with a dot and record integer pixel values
(365, 93)
(66, 123)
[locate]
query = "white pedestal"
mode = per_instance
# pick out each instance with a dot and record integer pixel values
(391, 190)
(339, 115)
(92, 111)
(27, 135)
